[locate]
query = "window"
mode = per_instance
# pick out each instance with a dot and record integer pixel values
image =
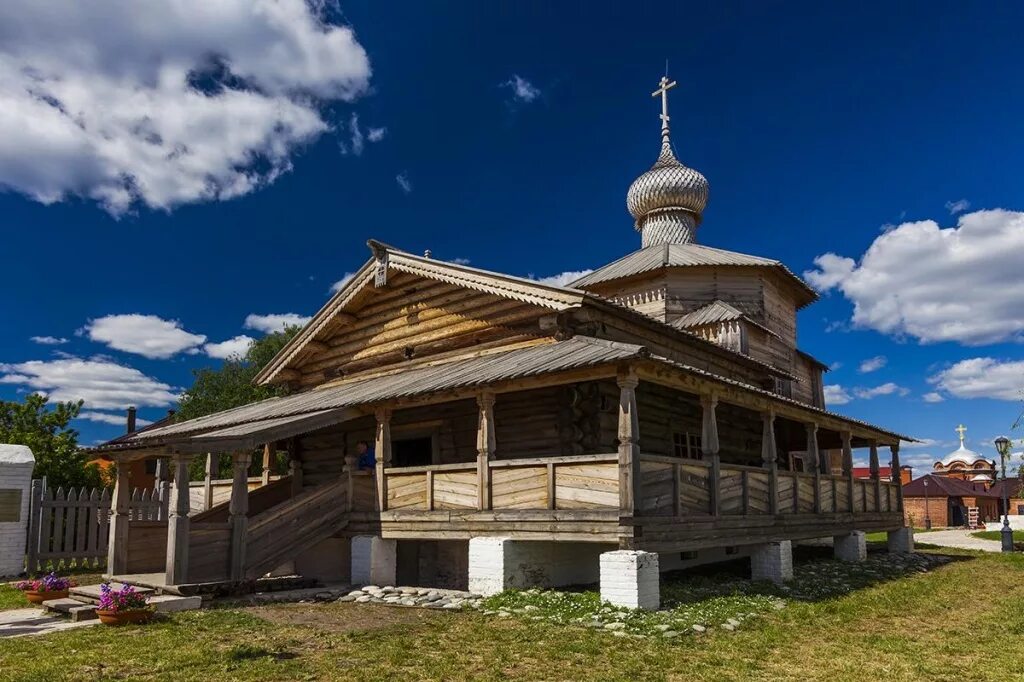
(784, 387)
(686, 445)
(151, 467)
(796, 462)
(412, 452)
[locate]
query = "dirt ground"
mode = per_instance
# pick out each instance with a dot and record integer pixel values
(345, 617)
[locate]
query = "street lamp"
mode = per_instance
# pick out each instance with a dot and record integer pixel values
(927, 511)
(1003, 448)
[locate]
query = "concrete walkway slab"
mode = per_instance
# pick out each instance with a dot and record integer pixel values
(25, 622)
(960, 539)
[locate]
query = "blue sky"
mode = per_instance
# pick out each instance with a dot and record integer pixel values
(507, 135)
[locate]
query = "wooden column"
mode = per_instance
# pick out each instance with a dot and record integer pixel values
(239, 510)
(349, 470)
(875, 476)
(848, 464)
(894, 467)
(382, 451)
(117, 547)
(485, 445)
(629, 445)
(163, 486)
(814, 459)
(269, 452)
(709, 446)
(178, 523)
(211, 469)
(295, 466)
(769, 458)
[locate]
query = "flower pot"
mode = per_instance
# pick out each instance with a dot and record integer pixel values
(123, 617)
(38, 597)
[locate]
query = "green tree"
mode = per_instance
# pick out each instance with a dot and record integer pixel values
(44, 429)
(231, 385)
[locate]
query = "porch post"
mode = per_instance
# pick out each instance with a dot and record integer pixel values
(814, 459)
(769, 458)
(163, 486)
(178, 523)
(485, 445)
(211, 466)
(894, 467)
(351, 466)
(848, 464)
(709, 446)
(239, 509)
(269, 451)
(117, 546)
(382, 450)
(629, 447)
(875, 477)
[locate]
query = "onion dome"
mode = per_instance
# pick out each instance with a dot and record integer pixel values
(667, 201)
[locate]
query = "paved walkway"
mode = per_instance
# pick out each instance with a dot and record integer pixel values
(960, 539)
(22, 622)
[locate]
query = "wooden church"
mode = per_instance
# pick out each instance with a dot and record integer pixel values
(654, 414)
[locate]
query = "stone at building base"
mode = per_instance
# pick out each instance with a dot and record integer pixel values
(631, 578)
(374, 560)
(900, 541)
(772, 561)
(497, 564)
(851, 547)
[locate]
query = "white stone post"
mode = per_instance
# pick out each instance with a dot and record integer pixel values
(772, 561)
(900, 541)
(16, 464)
(374, 561)
(630, 578)
(850, 547)
(178, 523)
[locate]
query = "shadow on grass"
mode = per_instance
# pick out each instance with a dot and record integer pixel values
(816, 576)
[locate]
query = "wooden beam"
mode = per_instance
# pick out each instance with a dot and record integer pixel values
(629, 447)
(873, 465)
(769, 459)
(847, 439)
(814, 458)
(485, 445)
(382, 452)
(117, 547)
(238, 510)
(178, 523)
(269, 453)
(317, 346)
(894, 468)
(709, 447)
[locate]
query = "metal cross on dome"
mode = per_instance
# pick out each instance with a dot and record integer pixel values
(961, 430)
(665, 86)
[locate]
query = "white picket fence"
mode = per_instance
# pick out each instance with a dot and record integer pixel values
(73, 525)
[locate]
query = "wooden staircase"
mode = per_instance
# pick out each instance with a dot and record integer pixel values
(278, 534)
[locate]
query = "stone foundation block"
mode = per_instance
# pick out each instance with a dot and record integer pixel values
(772, 561)
(374, 560)
(900, 541)
(630, 578)
(498, 564)
(850, 547)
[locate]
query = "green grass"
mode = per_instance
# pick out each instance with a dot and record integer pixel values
(1018, 535)
(10, 598)
(838, 623)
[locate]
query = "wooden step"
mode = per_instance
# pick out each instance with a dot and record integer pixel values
(91, 593)
(77, 610)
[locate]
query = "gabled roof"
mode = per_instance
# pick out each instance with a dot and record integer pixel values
(716, 311)
(943, 486)
(684, 255)
(388, 259)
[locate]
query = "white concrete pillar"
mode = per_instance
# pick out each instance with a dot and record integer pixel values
(631, 578)
(489, 564)
(772, 561)
(16, 464)
(900, 541)
(374, 560)
(850, 547)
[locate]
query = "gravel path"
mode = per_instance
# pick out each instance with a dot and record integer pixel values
(960, 539)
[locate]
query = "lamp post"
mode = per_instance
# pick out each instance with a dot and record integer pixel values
(927, 510)
(1003, 448)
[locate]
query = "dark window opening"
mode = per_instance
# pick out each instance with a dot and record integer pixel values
(686, 445)
(687, 556)
(151, 467)
(412, 452)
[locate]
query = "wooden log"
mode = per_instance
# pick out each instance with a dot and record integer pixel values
(239, 509)
(629, 449)
(485, 447)
(769, 459)
(382, 442)
(35, 513)
(177, 540)
(117, 546)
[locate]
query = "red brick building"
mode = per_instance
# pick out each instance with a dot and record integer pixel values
(948, 502)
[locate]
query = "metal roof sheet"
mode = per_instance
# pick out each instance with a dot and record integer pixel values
(716, 311)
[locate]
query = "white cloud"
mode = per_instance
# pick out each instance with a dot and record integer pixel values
(888, 388)
(562, 279)
(522, 89)
(955, 284)
(181, 102)
(921, 443)
(872, 364)
(146, 335)
(340, 284)
(101, 383)
(835, 365)
(958, 206)
(460, 261)
(115, 419)
(933, 397)
(236, 347)
(358, 139)
(982, 378)
(836, 395)
(403, 181)
(48, 340)
(269, 324)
